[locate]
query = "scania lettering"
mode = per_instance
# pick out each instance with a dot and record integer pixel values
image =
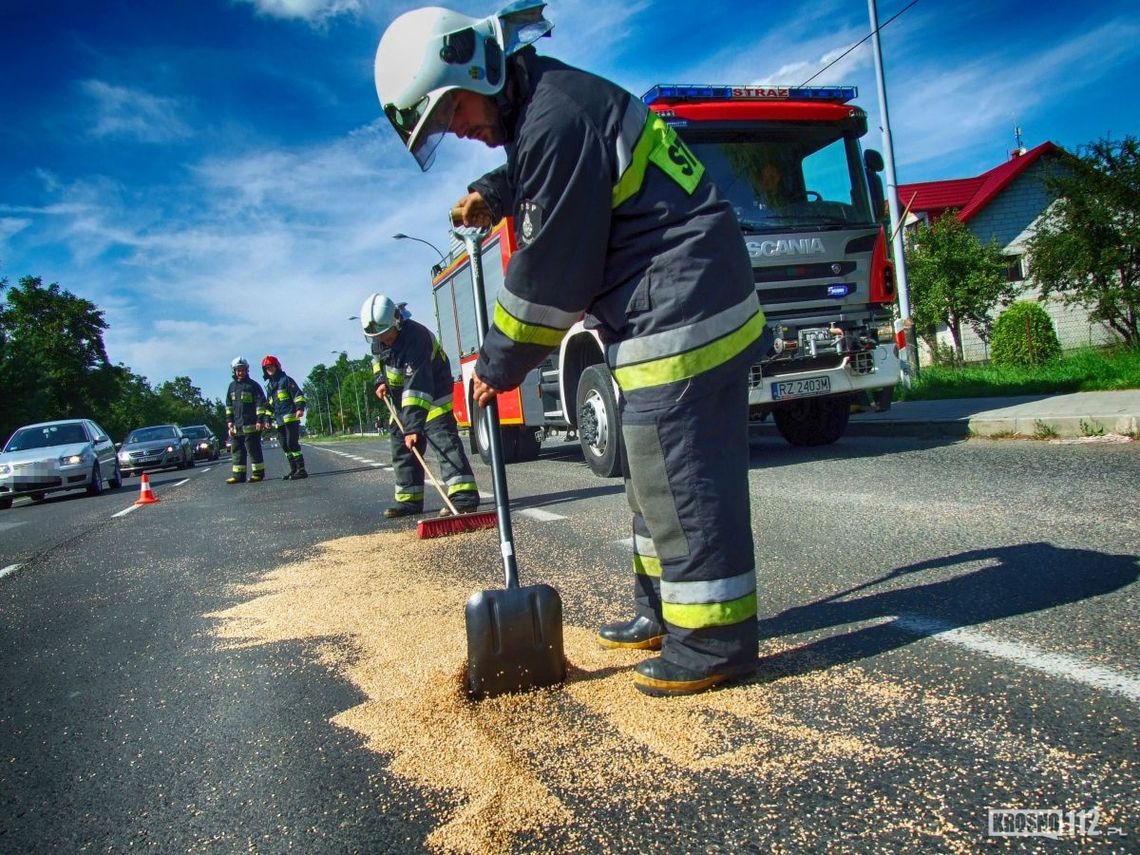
(809, 202)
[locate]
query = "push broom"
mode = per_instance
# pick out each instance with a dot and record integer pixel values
(457, 523)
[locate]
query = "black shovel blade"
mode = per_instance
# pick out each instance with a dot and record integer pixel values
(514, 640)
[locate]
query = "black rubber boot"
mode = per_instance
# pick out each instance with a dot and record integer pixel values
(641, 633)
(664, 679)
(402, 510)
(292, 471)
(236, 479)
(300, 473)
(256, 476)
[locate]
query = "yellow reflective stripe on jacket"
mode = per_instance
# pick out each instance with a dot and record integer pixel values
(393, 377)
(436, 412)
(681, 366)
(412, 399)
(660, 145)
(537, 314)
(524, 333)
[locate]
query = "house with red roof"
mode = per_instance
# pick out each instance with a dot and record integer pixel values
(1003, 204)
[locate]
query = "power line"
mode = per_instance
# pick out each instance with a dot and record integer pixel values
(879, 30)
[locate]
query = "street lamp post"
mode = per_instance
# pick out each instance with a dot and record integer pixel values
(402, 236)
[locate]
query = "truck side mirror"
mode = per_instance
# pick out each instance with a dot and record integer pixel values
(873, 165)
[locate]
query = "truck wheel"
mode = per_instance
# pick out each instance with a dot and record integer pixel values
(599, 431)
(481, 436)
(813, 421)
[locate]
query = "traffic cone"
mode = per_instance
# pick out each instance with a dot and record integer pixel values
(146, 495)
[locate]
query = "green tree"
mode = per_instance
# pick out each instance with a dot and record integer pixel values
(955, 280)
(55, 360)
(1087, 246)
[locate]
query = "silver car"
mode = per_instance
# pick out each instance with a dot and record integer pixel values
(63, 455)
(155, 447)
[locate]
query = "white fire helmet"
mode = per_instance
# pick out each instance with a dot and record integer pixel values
(379, 314)
(240, 360)
(427, 55)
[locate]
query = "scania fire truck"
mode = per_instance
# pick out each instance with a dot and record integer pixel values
(808, 200)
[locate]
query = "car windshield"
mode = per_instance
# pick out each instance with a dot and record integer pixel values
(45, 436)
(196, 432)
(151, 434)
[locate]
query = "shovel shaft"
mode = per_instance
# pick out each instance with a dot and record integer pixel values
(474, 244)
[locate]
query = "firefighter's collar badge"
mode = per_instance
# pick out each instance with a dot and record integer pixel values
(530, 215)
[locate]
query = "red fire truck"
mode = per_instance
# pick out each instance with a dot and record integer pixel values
(808, 200)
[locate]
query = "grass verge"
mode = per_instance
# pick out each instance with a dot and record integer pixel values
(1089, 370)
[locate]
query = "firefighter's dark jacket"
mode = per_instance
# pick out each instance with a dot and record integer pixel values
(614, 216)
(245, 403)
(418, 374)
(285, 398)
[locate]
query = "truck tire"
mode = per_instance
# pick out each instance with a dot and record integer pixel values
(481, 437)
(599, 430)
(813, 421)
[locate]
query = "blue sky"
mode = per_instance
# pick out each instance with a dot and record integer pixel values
(217, 177)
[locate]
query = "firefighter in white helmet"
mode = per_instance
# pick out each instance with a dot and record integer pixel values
(411, 369)
(245, 419)
(613, 216)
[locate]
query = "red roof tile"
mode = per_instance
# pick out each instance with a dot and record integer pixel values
(968, 195)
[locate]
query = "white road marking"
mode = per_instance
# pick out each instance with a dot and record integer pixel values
(1058, 665)
(180, 483)
(540, 515)
(7, 525)
(9, 570)
(124, 511)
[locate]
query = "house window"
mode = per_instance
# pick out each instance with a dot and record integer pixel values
(1015, 268)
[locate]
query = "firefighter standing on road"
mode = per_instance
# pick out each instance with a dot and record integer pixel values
(410, 366)
(614, 216)
(245, 407)
(286, 406)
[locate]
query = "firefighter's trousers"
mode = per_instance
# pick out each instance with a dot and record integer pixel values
(687, 485)
(247, 446)
(441, 434)
(289, 435)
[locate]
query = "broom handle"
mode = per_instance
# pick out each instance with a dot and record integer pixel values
(473, 239)
(420, 458)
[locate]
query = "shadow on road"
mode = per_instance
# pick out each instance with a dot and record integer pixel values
(1018, 580)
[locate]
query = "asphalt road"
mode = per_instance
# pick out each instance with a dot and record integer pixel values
(948, 627)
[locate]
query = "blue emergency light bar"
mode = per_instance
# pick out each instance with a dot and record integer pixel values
(693, 92)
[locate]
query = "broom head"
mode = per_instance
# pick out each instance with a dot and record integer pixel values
(443, 526)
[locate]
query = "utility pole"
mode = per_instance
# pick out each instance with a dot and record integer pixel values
(905, 325)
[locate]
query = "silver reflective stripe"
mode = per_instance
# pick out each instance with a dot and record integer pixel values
(420, 394)
(711, 591)
(643, 545)
(536, 313)
(683, 339)
(632, 124)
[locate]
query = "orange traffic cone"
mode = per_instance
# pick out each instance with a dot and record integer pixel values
(146, 495)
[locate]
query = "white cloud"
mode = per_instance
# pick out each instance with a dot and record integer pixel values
(317, 11)
(122, 112)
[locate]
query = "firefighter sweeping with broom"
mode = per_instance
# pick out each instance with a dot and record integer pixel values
(616, 217)
(410, 366)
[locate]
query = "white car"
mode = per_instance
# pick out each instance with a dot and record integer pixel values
(63, 455)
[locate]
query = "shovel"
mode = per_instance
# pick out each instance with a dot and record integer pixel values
(514, 635)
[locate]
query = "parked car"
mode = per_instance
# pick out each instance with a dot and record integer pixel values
(205, 442)
(155, 447)
(65, 455)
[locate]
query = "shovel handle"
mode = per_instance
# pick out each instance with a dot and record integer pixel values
(420, 458)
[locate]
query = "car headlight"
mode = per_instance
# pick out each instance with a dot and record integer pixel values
(75, 459)
(169, 449)
(203, 445)
(5, 469)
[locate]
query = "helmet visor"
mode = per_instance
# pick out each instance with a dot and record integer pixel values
(422, 126)
(374, 329)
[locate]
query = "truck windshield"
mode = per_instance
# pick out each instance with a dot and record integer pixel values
(786, 176)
